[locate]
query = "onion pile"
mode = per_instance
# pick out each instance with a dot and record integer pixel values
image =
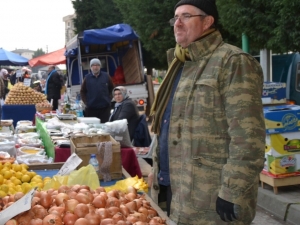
(79, 205)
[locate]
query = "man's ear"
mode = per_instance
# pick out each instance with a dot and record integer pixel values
(208, 21)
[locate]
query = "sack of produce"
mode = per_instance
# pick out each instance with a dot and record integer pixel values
(24, 123)
(28, 150)
(33, 142)
(25, 129)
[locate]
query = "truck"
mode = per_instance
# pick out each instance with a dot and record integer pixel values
(118, 48)
(286, 69)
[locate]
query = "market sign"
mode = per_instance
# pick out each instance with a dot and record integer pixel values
(70, 165)
(22, 205)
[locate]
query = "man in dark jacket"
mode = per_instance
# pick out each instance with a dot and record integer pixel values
(53, 86)
(96, 92)
(12, 77)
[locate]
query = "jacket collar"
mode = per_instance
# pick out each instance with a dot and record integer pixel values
(205, 46)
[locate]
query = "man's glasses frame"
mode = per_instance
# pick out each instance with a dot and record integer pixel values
(183, 18)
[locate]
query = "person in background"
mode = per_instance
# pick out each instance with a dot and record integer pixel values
(53, 86)
(26, 74)
(43, 85)
(2, 93)
(2, 89)
(12, 77)
(96, 92)
(209, 122)
(4, 77)
(125, 108)
(37, 86)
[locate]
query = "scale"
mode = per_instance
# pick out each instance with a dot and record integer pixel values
(65, 116)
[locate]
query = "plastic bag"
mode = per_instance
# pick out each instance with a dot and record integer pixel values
(32, 159)
(118, 129)
(9, 147)
(123, 185)
(105, 154)
(86, 175)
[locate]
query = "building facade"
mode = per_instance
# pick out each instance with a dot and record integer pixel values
(69, 27)
(26, 53)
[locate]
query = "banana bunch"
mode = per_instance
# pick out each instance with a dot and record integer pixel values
(135, 182)
(270, 124)
(282, 165)
(283, 144)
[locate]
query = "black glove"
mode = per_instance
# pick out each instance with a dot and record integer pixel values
(225, 210)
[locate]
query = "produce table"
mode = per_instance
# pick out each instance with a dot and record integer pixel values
(18, 112)
(129, 160)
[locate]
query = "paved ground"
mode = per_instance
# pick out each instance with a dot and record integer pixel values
(263, 217)
(285, 203)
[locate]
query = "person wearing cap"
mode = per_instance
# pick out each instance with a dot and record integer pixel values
(53, 86)
(209, 123)
(96, 92)
(125, 108)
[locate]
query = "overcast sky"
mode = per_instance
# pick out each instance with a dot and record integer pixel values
(33, 24)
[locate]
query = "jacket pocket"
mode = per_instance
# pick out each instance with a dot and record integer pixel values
(204, 96)
(206, 183)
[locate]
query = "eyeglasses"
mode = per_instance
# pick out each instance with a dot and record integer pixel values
(183, 18)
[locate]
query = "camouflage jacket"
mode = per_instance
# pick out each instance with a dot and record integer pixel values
(217, 133)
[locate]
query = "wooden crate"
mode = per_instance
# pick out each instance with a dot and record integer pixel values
(132, 65)
(278, 182)
(45, 166)
(84, 146)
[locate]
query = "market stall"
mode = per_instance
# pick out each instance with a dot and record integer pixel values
(35, 188)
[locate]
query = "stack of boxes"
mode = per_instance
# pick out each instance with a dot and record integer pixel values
(282, 121)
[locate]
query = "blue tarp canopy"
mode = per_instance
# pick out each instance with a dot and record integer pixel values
(109, 35)
(112, 34)
(8, 58)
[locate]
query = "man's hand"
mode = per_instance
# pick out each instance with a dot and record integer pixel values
(150, 179)
(225, 210)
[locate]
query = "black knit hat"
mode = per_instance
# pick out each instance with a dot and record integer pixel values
(207, 6)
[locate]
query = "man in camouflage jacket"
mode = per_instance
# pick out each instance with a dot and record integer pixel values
(216, 132)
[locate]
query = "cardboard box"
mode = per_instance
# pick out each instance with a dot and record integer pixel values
(283, 144)
(282, 118)
(283, 164)
(84, 146)
(274, 93)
